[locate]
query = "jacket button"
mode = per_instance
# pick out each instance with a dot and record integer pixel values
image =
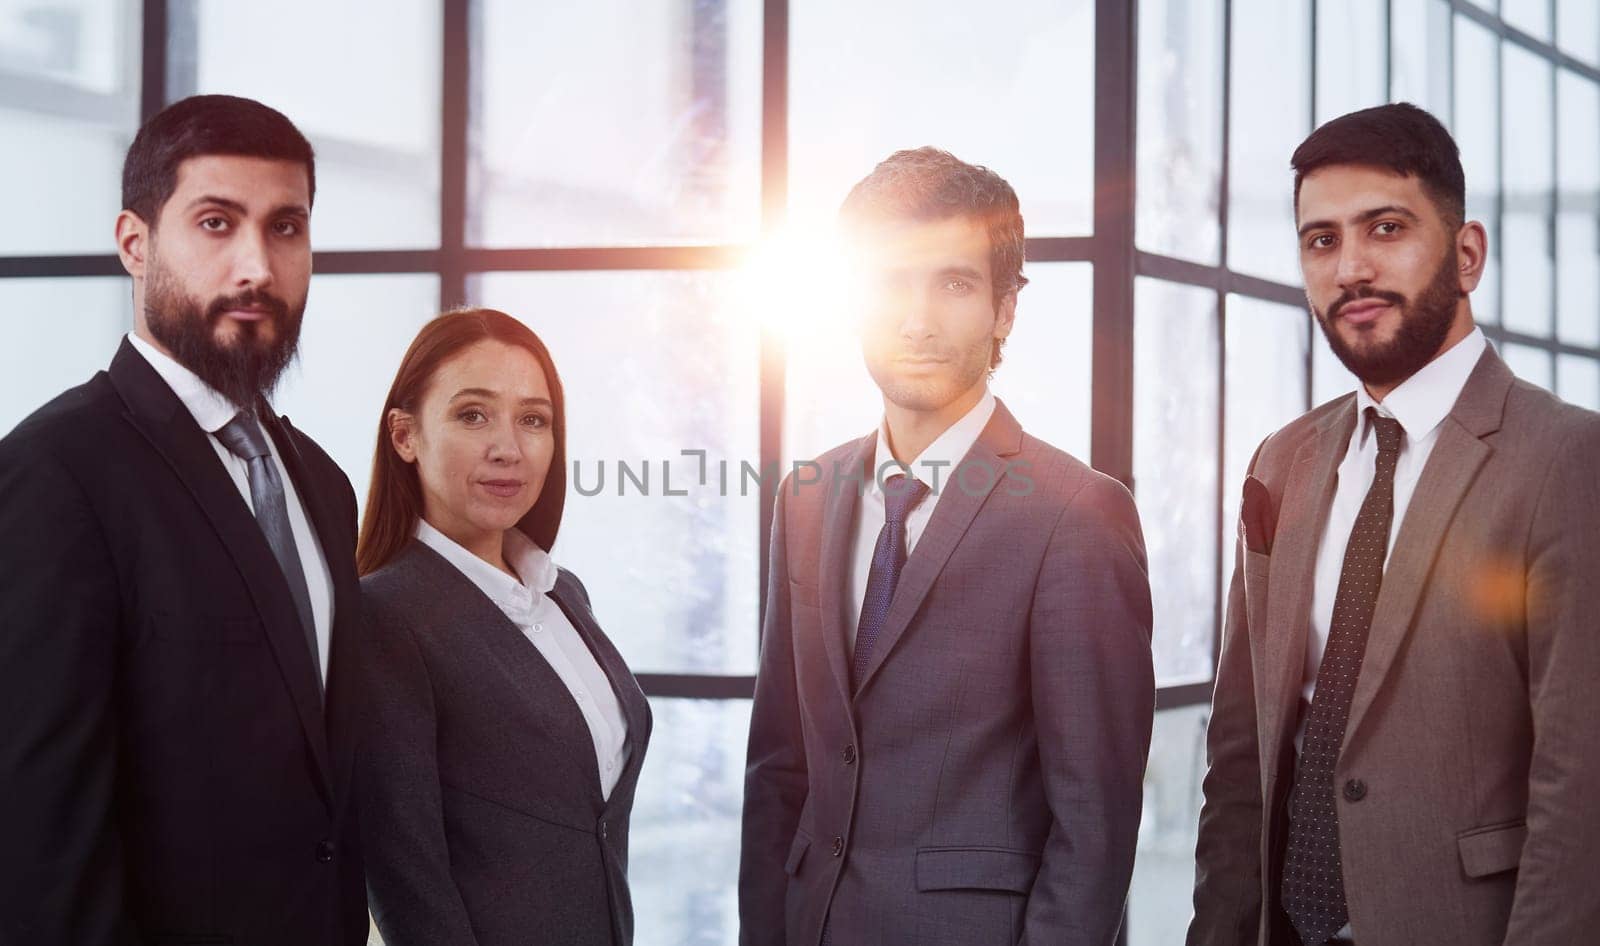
(838, 847)
(324, 851)
(605, 830)
(1355, 790)
(850, 755)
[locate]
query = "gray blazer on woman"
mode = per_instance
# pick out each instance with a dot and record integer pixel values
(481, 801)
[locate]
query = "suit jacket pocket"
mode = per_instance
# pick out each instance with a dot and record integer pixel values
(976, 868)
(797, 853)
(1492, 849)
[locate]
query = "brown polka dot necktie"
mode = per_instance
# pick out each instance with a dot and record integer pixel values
(1313, 878)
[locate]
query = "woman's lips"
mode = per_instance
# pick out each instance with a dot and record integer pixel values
(505, 489)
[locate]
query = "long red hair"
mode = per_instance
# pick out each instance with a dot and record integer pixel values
(394, 499)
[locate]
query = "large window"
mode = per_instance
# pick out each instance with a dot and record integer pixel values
(613, 173)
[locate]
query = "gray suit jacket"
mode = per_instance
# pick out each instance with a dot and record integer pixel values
(478, 776)
(1471, 760)
(983, 783)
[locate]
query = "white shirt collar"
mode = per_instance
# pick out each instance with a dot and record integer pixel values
(537, 570)
(1423, 401)
(210, 410)
(938, 461)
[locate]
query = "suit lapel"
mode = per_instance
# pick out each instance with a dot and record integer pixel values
(333, 535)
(1456, 458)
(838, 552)
(635, 707)
(160, 417)
(1307, 499)
(957, 507)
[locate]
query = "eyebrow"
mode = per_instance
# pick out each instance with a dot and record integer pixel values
(967, 272)
(233, 206)
(491, 395)
(1365, 216)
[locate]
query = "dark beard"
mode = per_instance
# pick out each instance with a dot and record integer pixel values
(1424, 325)
(245, 371)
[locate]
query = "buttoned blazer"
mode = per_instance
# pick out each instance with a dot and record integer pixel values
(981, 782)
(168, 769)
(484, 817)
(1469, 766)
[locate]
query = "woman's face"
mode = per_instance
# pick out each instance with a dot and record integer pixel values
(482, 440)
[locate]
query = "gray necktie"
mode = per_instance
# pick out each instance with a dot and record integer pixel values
(244, 439)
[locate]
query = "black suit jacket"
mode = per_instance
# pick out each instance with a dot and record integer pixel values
(169, 773)
(480, 788)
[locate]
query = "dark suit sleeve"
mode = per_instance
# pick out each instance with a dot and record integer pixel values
(775, 774)
(1557, 899)
(1093, 689)
(412, 893)
(61, 873)
(1227, 891)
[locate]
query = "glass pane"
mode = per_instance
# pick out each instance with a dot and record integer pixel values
(655, 364)
(1161, 899)
(683, 861)
(1529, 16)
(1578, 28)
(1329, 377)
(69, 88)
(1175, 388)
(55, 334)
(356, 330)
(1578, 380)
(1419, 55)
(1528, 147)
(867, 79)
(1528, 363)
(1180, 128)
(1266, 385)
(367, 98)
(1271, 115)
(1477, 132)
(1578, 210)
(1351, 42)
(612, 122)
(1044, 379)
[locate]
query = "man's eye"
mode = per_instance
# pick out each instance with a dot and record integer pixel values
(1321, 241)
(472, 416)
(536, 421)
(956, 285)
(1387, 228)
(214, 224)
(288, 228)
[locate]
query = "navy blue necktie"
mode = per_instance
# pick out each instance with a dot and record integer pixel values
(1313, 875)
(900, 495)
(244, 439)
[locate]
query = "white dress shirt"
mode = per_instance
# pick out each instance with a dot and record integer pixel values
(1420, 404)
(936, 467)
(527, 604)
(212, 412)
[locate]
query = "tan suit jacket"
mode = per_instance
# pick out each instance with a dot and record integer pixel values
(1470, 772)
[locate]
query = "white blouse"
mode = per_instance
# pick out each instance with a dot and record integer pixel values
(527, 604)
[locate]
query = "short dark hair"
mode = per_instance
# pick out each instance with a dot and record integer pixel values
(1399, 137)
(929, 184)
(206, 125)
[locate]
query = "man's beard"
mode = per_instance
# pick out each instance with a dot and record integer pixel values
(244, 370)
(968, 367)
(1424, 325)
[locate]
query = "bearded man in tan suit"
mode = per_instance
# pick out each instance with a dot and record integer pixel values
(1405, 739)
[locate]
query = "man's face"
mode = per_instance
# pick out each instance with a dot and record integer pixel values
(1382, 271)
(930, 320)
(227, 268)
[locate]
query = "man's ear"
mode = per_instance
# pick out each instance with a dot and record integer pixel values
(133, 242)
(403, 434)
(1472, 252)
(1005, 314)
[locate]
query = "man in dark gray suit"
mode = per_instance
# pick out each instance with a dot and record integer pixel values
(955, 694)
